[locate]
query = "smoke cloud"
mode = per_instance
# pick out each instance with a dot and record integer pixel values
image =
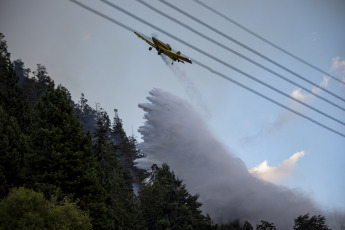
(174, 133)
(192, 92)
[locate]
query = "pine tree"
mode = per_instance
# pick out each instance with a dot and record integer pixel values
(307, 223)
(87, 115)
(14, 122)
(61, 162)
(11, 96)
(127, 151)
(166, 203)
(265, 225)
(118, 192)
(21, 71)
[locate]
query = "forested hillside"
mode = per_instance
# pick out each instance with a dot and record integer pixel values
(57, 152)
(65, 165)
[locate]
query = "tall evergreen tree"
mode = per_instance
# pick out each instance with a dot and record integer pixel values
(306, 222)
(127, 151)
(87, 115)
(118, 192)
(265, 225)
(62, 162)
(166, 203)
(35, 87)
(14, 121)
(11, 96)
(21, 71)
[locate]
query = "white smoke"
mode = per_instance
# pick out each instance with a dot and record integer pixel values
(176, 134)
(192, 92)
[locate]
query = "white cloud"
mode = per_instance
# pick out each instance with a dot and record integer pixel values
(338, 65)
(277, 173)
(297, 94)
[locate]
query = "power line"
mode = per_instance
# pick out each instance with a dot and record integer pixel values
(266, 97)
(239, 54)
(251, 50)
(267, 41)
(210, 69)
(224, 63)
(102, 15)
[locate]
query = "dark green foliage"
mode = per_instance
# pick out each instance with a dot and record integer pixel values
(119, 193)
(265, 226)
(87, 115)
(11, 96)
(33, 87)
(247, 226)
(13, 124)
(61, 162)
(13, 144)
(310, 223)
(26, 209)
(166, 203)
(21, 71)
(127, 151)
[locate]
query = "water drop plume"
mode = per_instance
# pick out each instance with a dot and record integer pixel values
(174, 133)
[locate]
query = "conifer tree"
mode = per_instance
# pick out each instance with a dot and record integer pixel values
(265, 225)
(35, 87)
(86, 114)
(166, 203)
(61, 162)
(127, 151)
(11, 96)
(306, 222)
(14, 122)
(21, 71)
(118, 192)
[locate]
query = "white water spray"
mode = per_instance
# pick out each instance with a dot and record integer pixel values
(176, 134)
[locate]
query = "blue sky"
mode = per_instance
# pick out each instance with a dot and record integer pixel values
(111, 66)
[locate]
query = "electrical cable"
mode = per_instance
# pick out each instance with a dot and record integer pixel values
(267, 98)
(102, 15)
(213, 71)
(267, 41)
(222, 62)
(251, 50)
(239, 54)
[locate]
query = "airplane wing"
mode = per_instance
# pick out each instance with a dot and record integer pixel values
(145, 39)
(176, 56)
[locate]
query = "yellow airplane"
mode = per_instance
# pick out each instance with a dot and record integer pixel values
(165, 49)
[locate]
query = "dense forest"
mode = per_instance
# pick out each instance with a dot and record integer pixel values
(66, 165)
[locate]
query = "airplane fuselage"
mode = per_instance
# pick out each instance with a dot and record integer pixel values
(164, 48)
(159, 44)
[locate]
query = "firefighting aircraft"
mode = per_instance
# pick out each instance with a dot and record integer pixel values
(165, 49)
